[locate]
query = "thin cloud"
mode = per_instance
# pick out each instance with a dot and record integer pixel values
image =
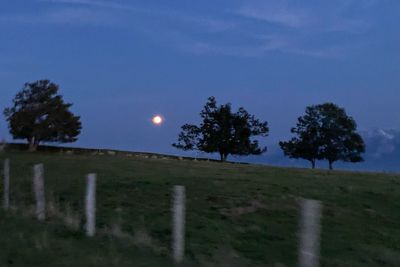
(210, 24)
(289, 44)
(327, 17)
(270, 44)
(309, 30)
(93, 3)
(65, 16)
(274, 12)
(302, 31)
(305, 21)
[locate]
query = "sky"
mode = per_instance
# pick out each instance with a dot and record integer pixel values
(121, 62)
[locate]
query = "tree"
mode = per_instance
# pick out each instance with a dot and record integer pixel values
(223, 132)
(325, 132)
(307, 143)
(339, 137)
(39, 114)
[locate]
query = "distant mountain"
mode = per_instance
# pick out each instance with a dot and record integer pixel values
(382, 154)
(383, 149)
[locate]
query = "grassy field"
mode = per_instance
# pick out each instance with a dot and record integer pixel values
(237, 215)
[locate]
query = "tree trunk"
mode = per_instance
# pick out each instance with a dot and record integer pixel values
(223, 156)
(313, 164)
(33, 144)
(330, 165)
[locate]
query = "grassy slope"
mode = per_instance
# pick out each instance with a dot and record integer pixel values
(361, 223)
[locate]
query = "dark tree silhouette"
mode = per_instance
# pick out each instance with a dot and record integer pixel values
(39, 114)
(325, 132)
(306, 145)
(339, 137)
(223, 132)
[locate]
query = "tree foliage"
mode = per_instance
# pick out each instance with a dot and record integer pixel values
(39, 114)
(224, 132)
(306, 144)
(325, 132)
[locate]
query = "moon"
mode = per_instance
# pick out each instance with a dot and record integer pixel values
(157, 120)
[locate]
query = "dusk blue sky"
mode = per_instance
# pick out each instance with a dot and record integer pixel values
(121, 62)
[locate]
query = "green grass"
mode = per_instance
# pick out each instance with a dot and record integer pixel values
(237, 215)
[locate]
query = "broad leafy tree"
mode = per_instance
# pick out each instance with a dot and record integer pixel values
(224, 132)
(306, 144)
(325, 132)
(39, 114)
(339, 137)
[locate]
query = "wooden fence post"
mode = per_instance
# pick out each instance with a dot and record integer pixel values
(310, 230)
(91, 205)
(6, 184)
(178, 232)
(38, 187)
